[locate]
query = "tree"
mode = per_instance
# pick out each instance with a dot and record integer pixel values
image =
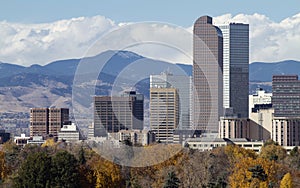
(286, 181)
(3, 166)
(64, 170)
(273, 152)
(35, 171)
(171, 181)
(81, 156)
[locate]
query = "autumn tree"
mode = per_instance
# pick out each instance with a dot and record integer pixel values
(3, 166)
(286, 181)
(273, 152)
(260, 172)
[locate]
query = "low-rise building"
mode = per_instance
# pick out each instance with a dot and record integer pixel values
(69, 133)
(209, 143)
(136, 137)
(21, 140)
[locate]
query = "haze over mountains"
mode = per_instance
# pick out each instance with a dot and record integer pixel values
(51, 85)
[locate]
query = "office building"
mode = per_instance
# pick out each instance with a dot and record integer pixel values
(236, 68)
(69, 133)
(286, 96)
(47, 121)
(183, 85)
(234, 127)
(136, 137)
(115, 113)
(207, 75)
(57, 118)
(164, 113)
(286, 104)
(259, 98)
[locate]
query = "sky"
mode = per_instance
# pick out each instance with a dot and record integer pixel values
(34, 32)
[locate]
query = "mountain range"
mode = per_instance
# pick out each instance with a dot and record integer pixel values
(112, 71)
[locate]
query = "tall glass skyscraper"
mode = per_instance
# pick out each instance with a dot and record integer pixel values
(207, 75)
(236, 68)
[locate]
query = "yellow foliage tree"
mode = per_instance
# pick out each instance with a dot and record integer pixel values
(273, 152)
(236, 153)
(106, 173)
(49, 143)
(286, 181)
(244, 176)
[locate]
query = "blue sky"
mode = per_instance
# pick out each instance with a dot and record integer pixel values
(182, 13)
(37, 32)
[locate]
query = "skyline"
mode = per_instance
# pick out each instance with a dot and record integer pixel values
(41, 37)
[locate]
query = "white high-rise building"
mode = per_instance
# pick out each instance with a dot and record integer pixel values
(236, 68)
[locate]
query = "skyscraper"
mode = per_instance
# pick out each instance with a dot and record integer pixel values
(114, 113)
(286, 96)
(47, 121)
(183, 85)
(207, 74)
(286, 104)
(236, 68)
(164, 114)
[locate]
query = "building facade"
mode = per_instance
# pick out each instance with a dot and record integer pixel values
(47, 121)
(286, 104)
(183, 85)
(207, 75)
(236, 68)
(164, 113)
(69, 133)
(286, 96)
(234, 127)
(115, 113)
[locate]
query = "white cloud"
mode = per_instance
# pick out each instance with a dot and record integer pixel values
(27, 44)
(269, 41)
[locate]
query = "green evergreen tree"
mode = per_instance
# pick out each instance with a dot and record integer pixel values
(34, 171)
(64, 170)
(171, 181)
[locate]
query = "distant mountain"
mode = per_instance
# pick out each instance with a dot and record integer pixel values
(52, 84)
(259, 71)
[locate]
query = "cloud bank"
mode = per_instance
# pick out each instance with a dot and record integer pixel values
(27, 44)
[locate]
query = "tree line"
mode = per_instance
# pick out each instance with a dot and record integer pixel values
(59, 164)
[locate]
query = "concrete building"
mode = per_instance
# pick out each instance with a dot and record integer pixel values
(47, 121)
(183, 84)
(260, 97)
(57, 118)
(69, 133)
(261, 122)
(286, 131)
(164, 113)
(286, 96)
(206, 144)
(236, 68)
(136, 137)
(114, 113)
(286, 104)
(234, 127)
(207, 75)
(36, 140)
(180, 136)
(21, 140)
